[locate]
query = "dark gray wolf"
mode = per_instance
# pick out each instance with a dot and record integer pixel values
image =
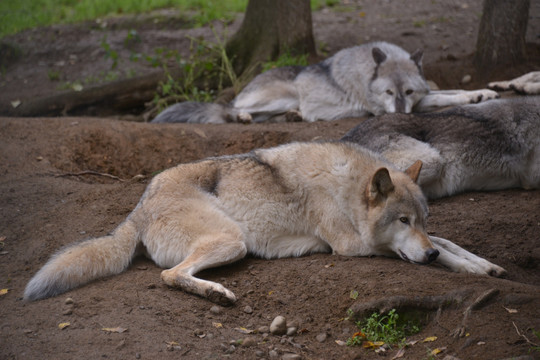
(489, 146)
(374, 78)
(286, 201)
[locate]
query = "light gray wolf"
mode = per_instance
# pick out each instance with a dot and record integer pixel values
(528, 84)
(373, 78)
(489, 146)
(287, 201)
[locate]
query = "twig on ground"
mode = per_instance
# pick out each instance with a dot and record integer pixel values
(90, 172)
(523, 336)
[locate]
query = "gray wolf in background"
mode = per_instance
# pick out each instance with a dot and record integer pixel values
(286, 201)
(488, 146)
(374, 78)
(528, 84)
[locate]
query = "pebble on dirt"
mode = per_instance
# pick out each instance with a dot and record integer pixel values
(279, 326)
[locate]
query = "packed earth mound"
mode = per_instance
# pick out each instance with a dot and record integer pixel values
(71, 178)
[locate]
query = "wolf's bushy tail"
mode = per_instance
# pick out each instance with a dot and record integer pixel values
(197, 113)
(83, 262)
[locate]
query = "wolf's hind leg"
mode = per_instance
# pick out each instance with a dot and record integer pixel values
(218, 251)
(460, 260)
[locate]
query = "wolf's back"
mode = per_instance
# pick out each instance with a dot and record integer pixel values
(83, 262)
(197, 113)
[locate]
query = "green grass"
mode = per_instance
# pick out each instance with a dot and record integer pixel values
(18, 15)
(387, 329)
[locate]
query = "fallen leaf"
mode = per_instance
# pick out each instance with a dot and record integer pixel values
(341, 342)
(115, 330)
(437, 351)
(429, 339)
(511, 311)
(217, 325)
(77, 87)
(328, 265)
(411, 343)
(63, 325)
(243, 330)
(172, 343)
(481, 343)
(359, 334)
(16, 103)
(399, 354)
(4, 291)
(200, 133)
(372, 344)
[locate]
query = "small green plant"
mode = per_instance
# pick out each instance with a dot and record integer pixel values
(286, 59)
(109, 52)
(534, 346)
(383, 328)
(54, 75)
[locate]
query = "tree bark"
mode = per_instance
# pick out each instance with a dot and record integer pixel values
(271, 28)
(501, 35)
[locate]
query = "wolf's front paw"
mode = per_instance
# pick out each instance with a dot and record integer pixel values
(244, 118)
(500, 85)
(477, 96)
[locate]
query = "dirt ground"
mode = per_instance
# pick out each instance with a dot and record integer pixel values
(45, 205)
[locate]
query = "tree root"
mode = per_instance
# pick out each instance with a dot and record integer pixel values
(478, 303)
(405, 303)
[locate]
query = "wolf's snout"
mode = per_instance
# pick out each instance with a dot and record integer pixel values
(431, 255)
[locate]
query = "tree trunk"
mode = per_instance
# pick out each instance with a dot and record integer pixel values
(271, 28)
(501, 35)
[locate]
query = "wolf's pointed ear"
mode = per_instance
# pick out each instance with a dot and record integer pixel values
(417, 57)
(378, 55)
(414, 170)
(380, 185)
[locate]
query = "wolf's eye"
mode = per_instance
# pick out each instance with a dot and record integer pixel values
(409, 91)
(404, 220)
(389, 92)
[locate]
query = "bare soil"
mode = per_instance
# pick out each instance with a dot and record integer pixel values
(45, 204)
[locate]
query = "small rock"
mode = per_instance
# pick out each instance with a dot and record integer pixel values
(216, 310)
(273, 355)
(231, 349)
(249, 341)
(259, 353)
(450, 357)
(137, 356)
(67, 312)
(466, 79)
(198, 332)
(263, 329)
(291, 331)
(278, 326)
(291, 356)
(68, 301)
(321, 337)
(248, 309)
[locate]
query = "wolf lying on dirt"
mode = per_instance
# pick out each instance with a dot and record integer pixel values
(374, 78)
(489, 146)
(286, 201)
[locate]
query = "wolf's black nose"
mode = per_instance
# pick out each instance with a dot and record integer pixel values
(431, 254)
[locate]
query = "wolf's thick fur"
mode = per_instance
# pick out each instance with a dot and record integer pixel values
(374, 78)
(286, 201)
(489, 146)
